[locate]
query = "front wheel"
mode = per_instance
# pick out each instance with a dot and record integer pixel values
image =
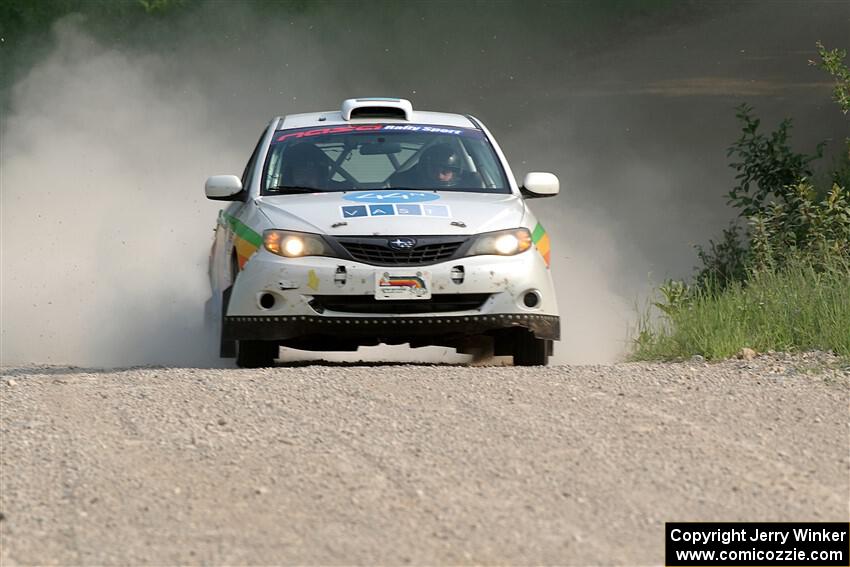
(529, 350)
(256, 354)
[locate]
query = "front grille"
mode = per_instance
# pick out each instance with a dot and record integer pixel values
(439, 303)
(376, 251)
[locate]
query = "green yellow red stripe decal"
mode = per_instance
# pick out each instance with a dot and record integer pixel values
(541, 240)
(246, 240)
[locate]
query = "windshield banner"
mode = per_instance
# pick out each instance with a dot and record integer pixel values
(283, 135)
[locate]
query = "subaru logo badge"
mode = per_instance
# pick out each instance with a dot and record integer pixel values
(402, 243)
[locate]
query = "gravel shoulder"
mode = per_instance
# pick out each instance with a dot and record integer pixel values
(401, 464)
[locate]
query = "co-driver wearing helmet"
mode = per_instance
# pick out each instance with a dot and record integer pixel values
(305, 165)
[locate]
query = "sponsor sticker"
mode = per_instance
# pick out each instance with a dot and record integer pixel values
(414, 128)
(402, 285)
(436, 210)
(331, 130)
(381, 210)
(283, 135)
(409, 209)
(391, 196)
(393, 209)
(353, 211)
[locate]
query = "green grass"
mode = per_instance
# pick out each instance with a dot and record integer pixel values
(796, 308)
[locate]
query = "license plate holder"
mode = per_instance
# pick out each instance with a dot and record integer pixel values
(402, 284)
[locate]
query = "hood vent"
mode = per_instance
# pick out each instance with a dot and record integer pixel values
(397, 108)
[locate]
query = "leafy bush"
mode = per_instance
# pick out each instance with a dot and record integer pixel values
(832, 61)
(769, 180)
(791, 289)
(784, 282)
(766, 164)
(723, 263)
(801, 226)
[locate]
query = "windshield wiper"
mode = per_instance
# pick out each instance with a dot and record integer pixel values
(294, 189)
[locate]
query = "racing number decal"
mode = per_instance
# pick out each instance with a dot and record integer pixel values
(541, 240)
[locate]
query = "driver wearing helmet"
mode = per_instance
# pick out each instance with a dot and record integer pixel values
(440, 166)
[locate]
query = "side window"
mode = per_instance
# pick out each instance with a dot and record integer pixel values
(249, 167)
(273, 167)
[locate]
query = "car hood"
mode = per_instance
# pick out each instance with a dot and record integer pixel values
(393, 212)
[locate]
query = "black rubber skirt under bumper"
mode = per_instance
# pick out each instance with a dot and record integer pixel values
(281, 328)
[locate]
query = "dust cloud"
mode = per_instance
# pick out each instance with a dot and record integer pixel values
(104, 150)
(104, 225)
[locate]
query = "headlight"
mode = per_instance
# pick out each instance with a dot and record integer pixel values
(294, 244)
(503, 242)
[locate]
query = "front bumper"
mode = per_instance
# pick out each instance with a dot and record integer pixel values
(306, 296)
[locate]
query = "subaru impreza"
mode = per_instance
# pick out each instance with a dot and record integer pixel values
(378, 223)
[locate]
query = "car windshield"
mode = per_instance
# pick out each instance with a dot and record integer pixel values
(382, 156)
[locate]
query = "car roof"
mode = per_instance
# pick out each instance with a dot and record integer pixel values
(335, 118)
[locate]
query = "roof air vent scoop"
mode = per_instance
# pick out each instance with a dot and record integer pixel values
(376, 108)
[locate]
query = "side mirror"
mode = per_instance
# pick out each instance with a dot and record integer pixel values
(223, 188)
(539, 184)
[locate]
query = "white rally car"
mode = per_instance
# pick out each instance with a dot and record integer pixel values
(381, 224)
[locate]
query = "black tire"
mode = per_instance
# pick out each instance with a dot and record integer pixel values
(529, 350)
(256, 354)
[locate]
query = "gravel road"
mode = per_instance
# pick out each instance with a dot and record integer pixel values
(400, 464)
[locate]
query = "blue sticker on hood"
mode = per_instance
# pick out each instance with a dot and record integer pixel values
(381, 210)
(393, 209)
(391, 196)
(354, 211)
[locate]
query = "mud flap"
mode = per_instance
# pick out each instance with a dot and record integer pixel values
(227, 347)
